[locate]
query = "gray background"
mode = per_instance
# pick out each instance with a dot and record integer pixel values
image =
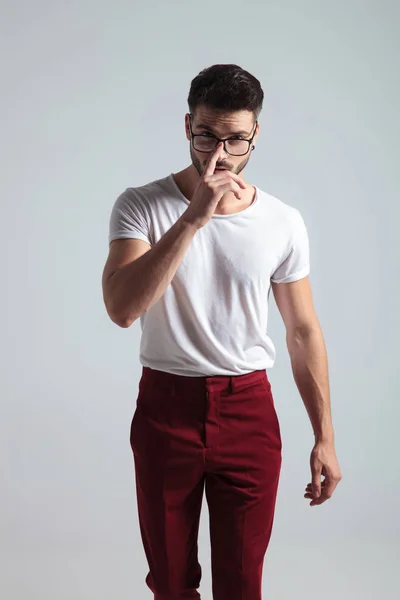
(93, 100)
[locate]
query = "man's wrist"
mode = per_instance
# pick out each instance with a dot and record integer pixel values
(324, 437)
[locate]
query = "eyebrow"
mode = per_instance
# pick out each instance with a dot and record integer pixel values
(207, 128)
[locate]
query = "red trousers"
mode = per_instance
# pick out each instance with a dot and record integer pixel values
(220, 434)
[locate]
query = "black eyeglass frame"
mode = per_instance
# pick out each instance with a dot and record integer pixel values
(212, 136)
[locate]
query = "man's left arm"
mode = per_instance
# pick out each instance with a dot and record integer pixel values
(309, 362)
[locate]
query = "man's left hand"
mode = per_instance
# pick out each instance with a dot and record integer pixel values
(323, 461)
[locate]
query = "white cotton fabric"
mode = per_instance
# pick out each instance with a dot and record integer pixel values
(212, 318)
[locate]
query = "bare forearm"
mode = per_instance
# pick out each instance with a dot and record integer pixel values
(134, 288)
(310, 370)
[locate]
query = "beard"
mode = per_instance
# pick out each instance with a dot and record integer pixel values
(200, 167)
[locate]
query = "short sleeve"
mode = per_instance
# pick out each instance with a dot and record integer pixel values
(129, 218)
(296, 264)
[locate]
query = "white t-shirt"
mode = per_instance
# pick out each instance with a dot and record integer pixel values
(212, 318)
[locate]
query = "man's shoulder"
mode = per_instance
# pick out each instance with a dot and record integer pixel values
(147, 193)
(280, 209)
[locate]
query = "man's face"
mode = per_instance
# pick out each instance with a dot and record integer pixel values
(222, 125)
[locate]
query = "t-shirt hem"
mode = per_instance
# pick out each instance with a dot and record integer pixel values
(125, 235)
(295, 277)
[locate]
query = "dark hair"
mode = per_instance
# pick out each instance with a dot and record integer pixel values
(226, 88)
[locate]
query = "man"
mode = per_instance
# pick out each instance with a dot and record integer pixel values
(194, 255)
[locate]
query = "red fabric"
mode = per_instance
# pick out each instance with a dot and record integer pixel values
(220, 434)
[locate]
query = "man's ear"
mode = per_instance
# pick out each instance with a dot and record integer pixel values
(187, 128)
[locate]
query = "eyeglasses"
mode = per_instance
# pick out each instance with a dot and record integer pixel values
(207, 142)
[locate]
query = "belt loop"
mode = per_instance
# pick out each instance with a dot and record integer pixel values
(231, 385)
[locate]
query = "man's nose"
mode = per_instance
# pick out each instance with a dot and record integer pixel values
(223, 152)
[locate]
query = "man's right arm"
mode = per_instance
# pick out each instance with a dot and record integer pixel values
(136, 274)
